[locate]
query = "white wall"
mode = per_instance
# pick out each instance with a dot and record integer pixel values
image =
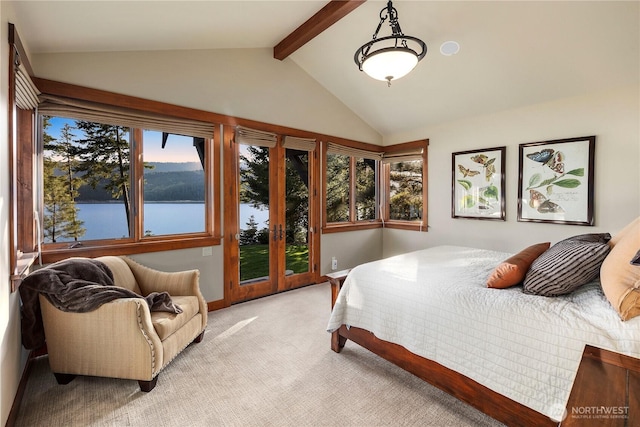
(244, 83)
(210, 266)
(614, 117)
(350, 248)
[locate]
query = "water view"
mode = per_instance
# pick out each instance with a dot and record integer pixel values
(108, 220)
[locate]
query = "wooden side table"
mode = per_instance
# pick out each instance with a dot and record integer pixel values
(606, 391)
(337, 279)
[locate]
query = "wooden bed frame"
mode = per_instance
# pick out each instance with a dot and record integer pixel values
(469, 391)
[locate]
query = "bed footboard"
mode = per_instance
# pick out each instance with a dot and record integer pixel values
(459, 386)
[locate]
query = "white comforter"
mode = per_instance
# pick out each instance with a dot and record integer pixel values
(435, 303)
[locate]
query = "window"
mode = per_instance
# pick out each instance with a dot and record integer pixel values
(87, 182)
(404, 184)
(366, 188)
(338, 186)
(366, 177)
(350, 183)
(405, 190)
(122, 181)
(174, 185)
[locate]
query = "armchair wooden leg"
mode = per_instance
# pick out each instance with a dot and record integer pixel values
(147, 386)
(199, 338)
(64, 379)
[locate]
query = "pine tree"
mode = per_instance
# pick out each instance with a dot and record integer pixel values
(105, 160)
(60, 190)
(61, 214)
(254, 188)
(255, 177)
(69, 164)
(337, 188)
(248, 236)
(297, 197)
(365, 189)
(406, 190)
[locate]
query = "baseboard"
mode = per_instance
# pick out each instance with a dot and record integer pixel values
(22, 386)
(217, 305)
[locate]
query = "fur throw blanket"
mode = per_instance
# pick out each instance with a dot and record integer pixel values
(76, 285)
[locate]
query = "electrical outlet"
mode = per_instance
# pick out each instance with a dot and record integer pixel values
(334, 263)
(207, 251)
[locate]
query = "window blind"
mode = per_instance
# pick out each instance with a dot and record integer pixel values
(333, 148)
(260, 138)
(303, 144)
(403, 156)
(26, 91)
(121, 116)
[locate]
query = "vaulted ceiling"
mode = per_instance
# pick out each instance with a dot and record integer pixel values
(512, 53)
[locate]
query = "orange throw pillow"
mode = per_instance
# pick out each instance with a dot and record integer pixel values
(512, 270)
(620, 279)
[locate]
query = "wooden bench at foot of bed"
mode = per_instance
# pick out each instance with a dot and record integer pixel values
(459, 386)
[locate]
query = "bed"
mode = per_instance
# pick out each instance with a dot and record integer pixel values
(512, 355)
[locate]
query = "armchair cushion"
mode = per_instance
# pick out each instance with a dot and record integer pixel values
(167, 323)
(122, 275)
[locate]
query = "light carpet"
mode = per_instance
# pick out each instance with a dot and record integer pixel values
(265, 362)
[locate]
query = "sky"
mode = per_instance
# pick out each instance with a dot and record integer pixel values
(178, 149)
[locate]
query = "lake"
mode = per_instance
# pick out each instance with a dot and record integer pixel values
(108, 220)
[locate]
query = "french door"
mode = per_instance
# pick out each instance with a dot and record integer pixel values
(271, 214)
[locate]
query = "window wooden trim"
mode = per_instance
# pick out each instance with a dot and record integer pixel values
(21, 131)
(399, 224)
(383, 195)
(352, 224)
(138, 243)
(151, 244)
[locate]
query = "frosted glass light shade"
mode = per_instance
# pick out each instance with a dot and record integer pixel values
(390, 64)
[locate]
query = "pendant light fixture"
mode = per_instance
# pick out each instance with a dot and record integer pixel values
(389, 58)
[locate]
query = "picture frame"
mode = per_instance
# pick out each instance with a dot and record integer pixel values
(478, 184)
(555, 181)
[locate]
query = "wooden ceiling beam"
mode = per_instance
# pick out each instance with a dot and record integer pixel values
(331, 13)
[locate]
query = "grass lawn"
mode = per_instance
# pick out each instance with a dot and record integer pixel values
(254, 260)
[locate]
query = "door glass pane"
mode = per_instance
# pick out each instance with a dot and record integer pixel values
(254, 214)
(86, 181)
(297, 211)
(174, 184)
(405, 191)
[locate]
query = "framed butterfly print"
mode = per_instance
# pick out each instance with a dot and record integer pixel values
(477, 184)
(555, 182)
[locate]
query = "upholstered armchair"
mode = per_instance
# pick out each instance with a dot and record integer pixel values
(124, 338)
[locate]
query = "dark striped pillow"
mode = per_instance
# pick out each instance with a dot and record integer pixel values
(567, 265)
